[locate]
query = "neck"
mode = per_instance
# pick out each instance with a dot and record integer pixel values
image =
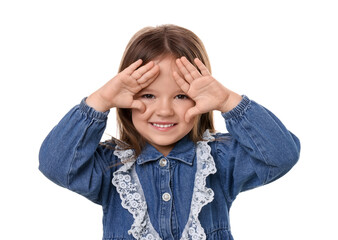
(165, 150)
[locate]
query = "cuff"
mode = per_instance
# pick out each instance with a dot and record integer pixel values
(91, 112)
(239, 109)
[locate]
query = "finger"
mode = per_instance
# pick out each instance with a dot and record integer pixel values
(181, 82)
(149, 75)
(132, 67)
(148, 82)
(142, 70)
(192, 112)
(202, 67)
(184, 71)
(139, 105)
(191, 68)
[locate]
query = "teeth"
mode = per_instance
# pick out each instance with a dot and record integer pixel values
(163, 125)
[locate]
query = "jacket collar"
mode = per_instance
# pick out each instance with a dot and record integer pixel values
(183, 151)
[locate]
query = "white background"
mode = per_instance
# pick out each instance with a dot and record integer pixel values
(283, 54)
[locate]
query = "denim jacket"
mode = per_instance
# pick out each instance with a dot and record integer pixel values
(185, 195)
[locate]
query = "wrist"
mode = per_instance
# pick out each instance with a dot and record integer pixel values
(231, 101)
(91, 112)
(96, 101)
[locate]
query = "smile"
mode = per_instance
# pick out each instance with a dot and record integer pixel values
(163, 125)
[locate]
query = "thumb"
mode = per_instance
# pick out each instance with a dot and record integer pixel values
(192, 112)
(139, 105)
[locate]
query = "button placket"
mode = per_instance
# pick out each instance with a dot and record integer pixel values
(166, 199)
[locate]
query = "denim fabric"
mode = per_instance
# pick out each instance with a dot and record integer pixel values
(257, 150)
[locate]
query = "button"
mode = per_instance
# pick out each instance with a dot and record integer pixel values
(166, 197)
(163, 162)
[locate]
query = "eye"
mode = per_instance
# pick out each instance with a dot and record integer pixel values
(148, 96)
(182, 96)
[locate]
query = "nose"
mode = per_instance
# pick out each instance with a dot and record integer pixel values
(164, 108)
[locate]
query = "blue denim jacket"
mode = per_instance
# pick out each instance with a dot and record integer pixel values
(185, 195)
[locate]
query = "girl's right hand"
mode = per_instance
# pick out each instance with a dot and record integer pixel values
(120, 90)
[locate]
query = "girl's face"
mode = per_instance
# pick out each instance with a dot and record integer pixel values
(162, 124)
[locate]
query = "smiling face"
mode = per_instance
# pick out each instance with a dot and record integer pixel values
(163, 124)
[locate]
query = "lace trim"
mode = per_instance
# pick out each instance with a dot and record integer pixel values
(201, 195)
(127, 184)
(126, 181)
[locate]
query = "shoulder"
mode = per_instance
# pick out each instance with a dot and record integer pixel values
(222, 140)
(116, 153)
(223, 145)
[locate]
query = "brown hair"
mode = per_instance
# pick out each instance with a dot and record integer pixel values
(148, 44)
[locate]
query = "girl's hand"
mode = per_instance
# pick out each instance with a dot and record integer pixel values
(120, 90)
(206, 91)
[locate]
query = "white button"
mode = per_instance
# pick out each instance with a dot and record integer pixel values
(166, 197)
(163, 162)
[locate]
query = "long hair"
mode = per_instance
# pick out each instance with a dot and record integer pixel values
(155, 42)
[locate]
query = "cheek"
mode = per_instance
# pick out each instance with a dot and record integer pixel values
(182, 108)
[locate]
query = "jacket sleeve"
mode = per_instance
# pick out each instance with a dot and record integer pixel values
(71, 156)
(258, 149)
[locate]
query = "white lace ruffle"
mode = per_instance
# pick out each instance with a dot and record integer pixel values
(127, 184)
(201, 194)
(126, 181)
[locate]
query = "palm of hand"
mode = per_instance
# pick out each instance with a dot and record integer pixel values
(201, 91)
(207, 93)
(127, 88)
(120, 91)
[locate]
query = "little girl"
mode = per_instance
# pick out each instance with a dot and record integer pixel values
(170, 176)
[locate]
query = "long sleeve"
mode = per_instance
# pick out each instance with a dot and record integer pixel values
(258, 149)
(71, 156)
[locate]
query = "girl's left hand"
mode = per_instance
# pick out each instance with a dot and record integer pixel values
(203, 89)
